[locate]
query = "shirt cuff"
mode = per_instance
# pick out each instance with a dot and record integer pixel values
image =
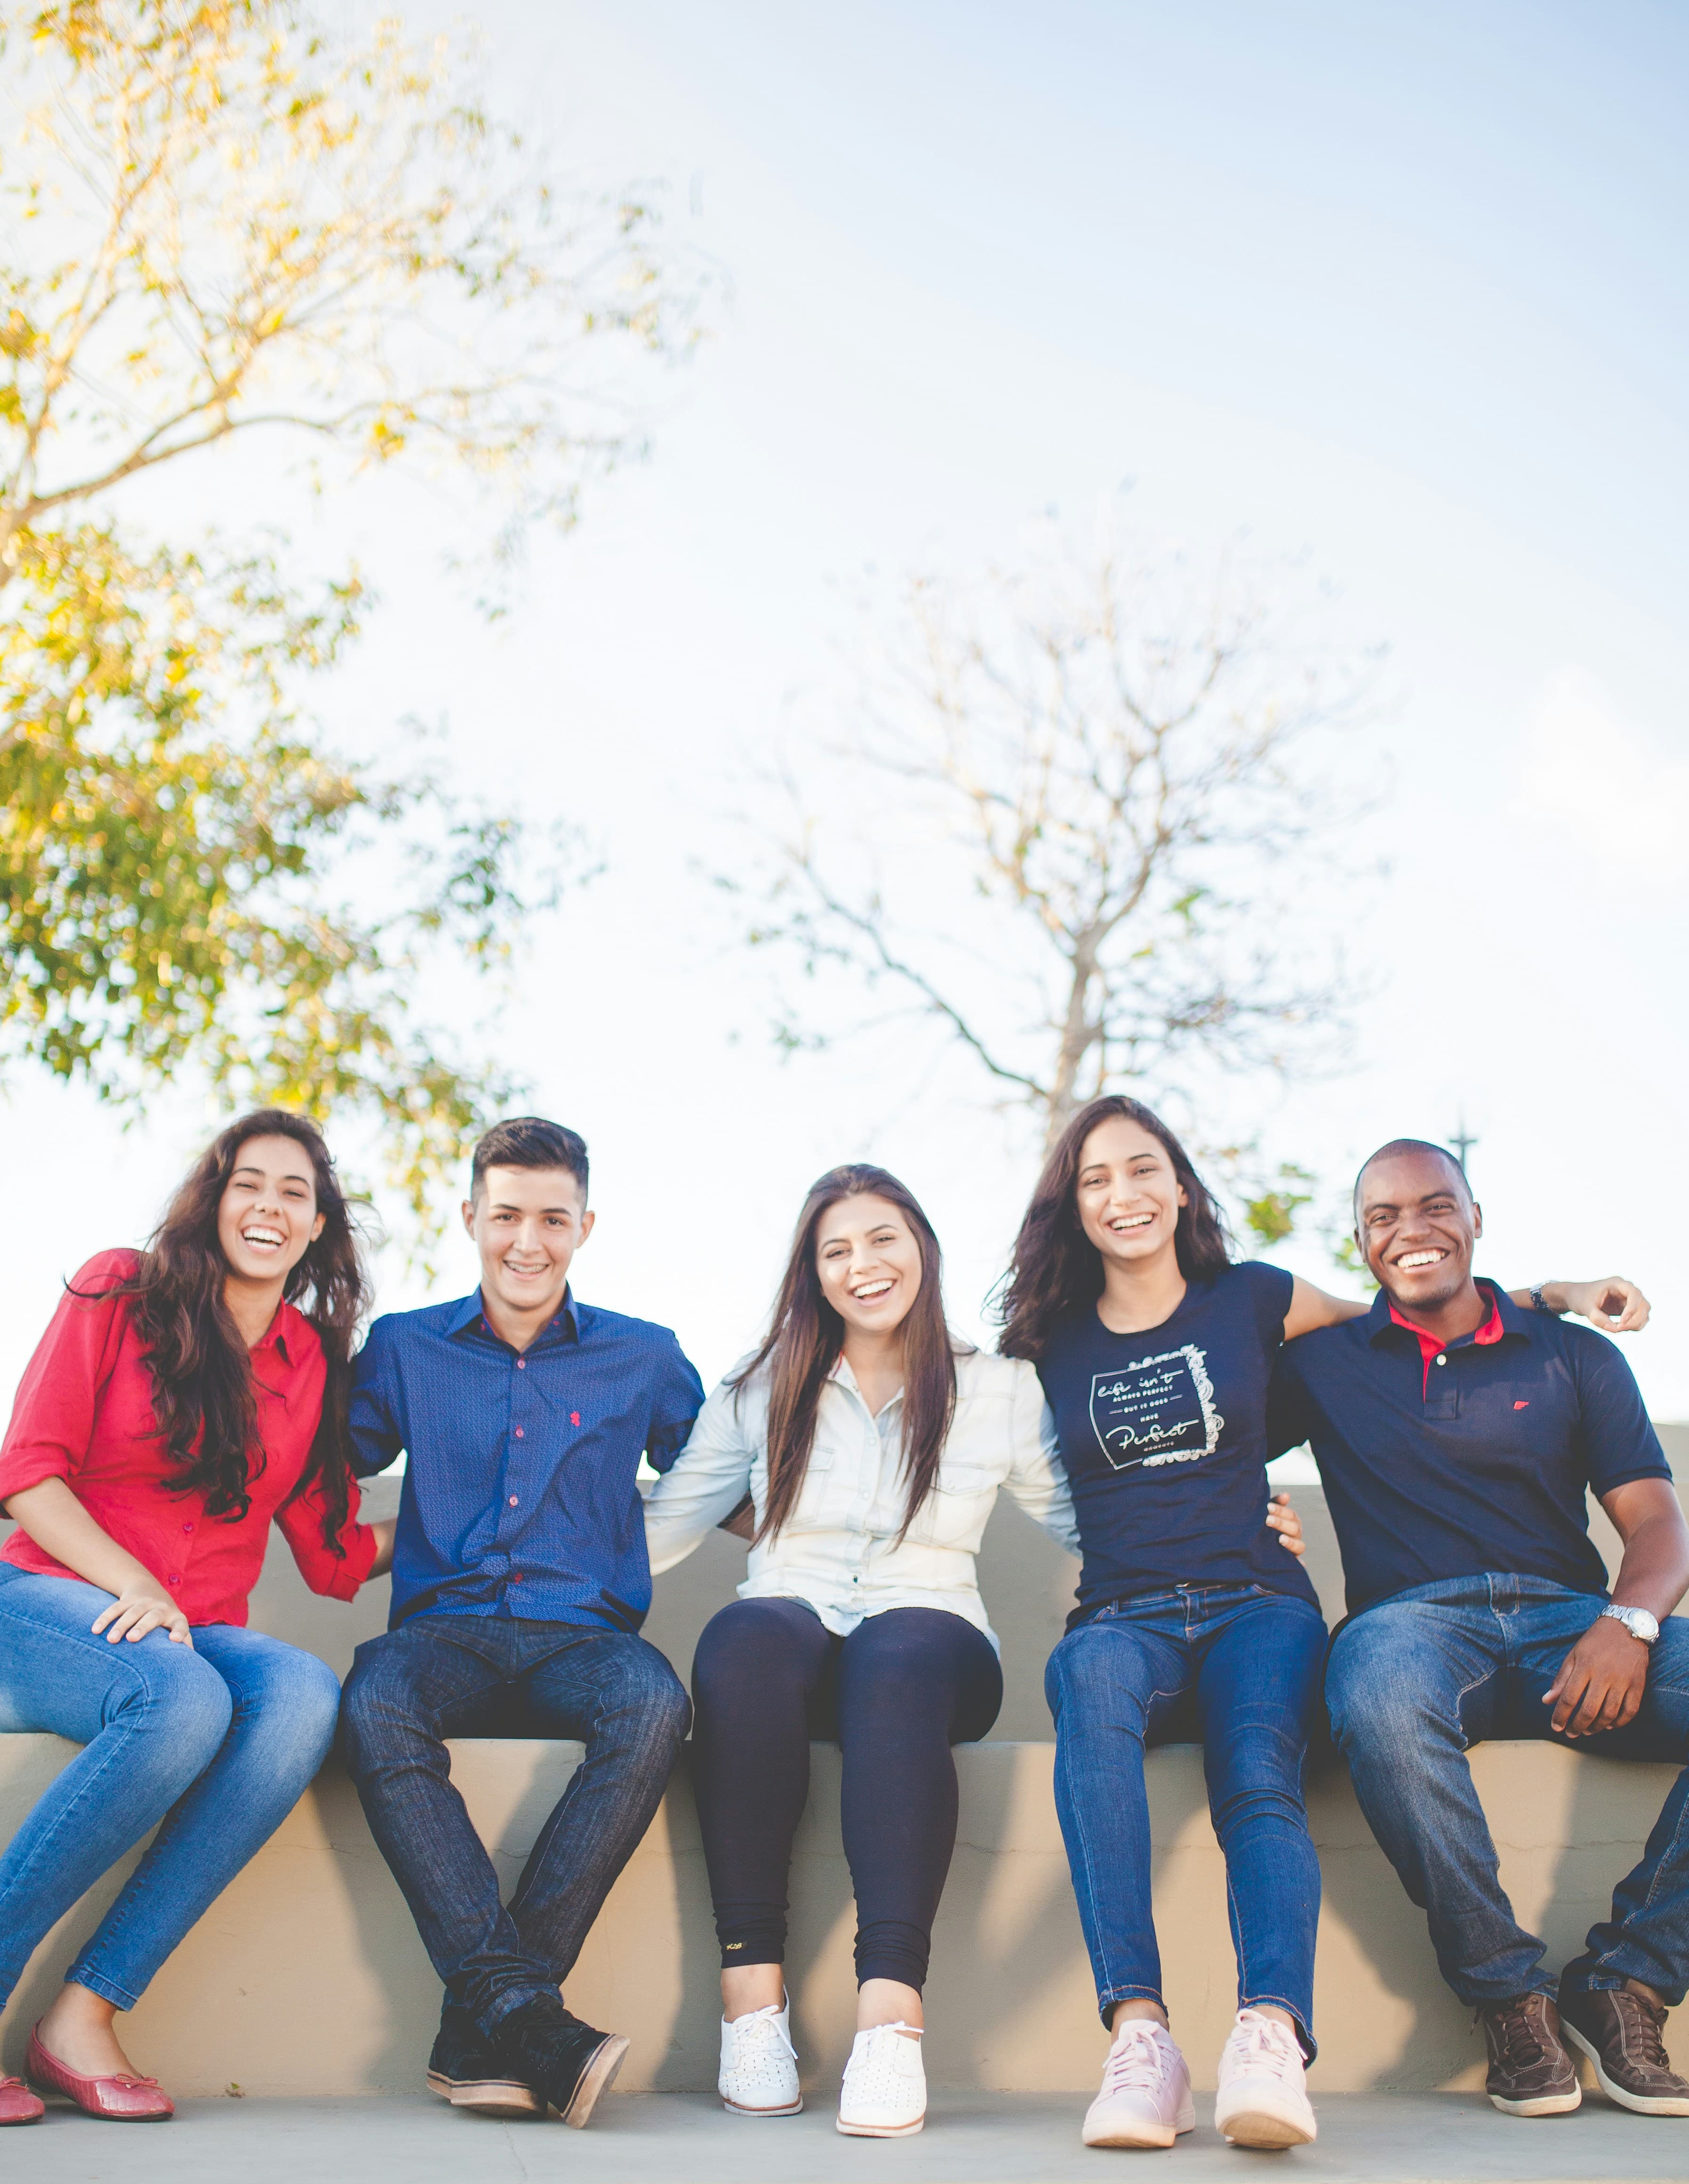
(20, 1468)
(345, 1577)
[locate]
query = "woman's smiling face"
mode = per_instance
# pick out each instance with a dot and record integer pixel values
(267, 1217)
(868, 1259)
(1127, 1195)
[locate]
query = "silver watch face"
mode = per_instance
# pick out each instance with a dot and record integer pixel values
(1637, 1621)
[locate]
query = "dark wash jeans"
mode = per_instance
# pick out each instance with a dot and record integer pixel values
(1415, 1681)
(1249, 1661)
(485, 1676)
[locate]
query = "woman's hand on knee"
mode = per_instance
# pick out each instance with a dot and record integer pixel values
(139, 1608)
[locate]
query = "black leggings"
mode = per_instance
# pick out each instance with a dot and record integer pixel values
(897, 1693)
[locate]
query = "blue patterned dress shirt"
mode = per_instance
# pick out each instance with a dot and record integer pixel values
(520, 1496)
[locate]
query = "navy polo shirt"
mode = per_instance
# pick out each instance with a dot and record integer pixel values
(520, 1496)
(1163, 1438)
(1464, 1459)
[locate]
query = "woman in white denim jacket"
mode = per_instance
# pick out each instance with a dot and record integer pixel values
(886, 1440)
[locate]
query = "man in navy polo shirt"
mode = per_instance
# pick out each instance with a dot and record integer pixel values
(519, 1584)
(1455, 1437)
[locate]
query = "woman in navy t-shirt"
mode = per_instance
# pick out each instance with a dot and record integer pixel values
(1155, 1352)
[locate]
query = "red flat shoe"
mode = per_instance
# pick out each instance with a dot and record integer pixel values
(18, 2104)
(121, 2099)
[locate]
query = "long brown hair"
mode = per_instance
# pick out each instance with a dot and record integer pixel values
(1057, 1269)
(203, 1393)
(806, 1336)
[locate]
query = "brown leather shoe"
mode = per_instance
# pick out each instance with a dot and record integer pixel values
(120, 2099)
(18, 2104)
(1621, 2032)
(1531, 2073)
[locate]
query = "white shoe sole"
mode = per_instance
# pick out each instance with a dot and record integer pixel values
(739, 2108)
(1267, 2128)
(1544, 2104)
(1143, 2134)
(1638, 2103)
(598, 2077)
(494, 2097)
(879, 2130)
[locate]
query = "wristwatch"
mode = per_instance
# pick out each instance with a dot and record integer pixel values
(1636, 1620)
(1537, 1305)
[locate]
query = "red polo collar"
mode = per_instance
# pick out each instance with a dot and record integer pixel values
(1433, 1347)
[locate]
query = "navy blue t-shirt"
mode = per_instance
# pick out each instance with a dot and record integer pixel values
(1163, 1437)
(1470, 1459)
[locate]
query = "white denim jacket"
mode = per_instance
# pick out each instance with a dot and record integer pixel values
(838, 1550)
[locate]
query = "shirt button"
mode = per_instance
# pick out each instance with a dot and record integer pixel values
(519, 1433)
(188, 1528)
(513, 1501)
(1442, 1361)
(174, 1578)
(521, 1364)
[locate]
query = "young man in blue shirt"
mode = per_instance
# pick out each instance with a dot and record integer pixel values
(520, 1581)
(1456, 1436)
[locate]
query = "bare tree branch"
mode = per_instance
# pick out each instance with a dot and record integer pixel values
(1096, 777)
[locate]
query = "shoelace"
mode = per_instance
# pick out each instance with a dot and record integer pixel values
(759, 2022)
(1136, 2063)
(1645, 2029)
(878, 2068)
(1524, 2031)
(1264, 2041)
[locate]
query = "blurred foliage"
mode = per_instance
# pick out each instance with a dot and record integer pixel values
(1272, 1216)
(216, 219)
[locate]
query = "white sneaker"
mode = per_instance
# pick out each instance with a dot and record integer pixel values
(1262, 2098)
(758, 2073)
(884, 2092)
(1145, 2096)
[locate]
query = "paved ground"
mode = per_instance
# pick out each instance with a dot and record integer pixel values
(686, 2138)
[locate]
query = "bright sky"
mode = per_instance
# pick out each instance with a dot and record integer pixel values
(1402, 287)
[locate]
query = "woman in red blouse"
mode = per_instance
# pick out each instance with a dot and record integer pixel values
(183, 1398)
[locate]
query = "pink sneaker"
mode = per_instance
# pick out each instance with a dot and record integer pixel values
(1145, 2096)
(1262, 2098)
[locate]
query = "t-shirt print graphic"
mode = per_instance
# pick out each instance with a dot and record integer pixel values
(1157, 1410)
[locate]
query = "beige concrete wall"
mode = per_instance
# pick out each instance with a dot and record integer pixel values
(307, 1975)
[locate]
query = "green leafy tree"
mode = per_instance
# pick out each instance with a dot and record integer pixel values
(217, 222)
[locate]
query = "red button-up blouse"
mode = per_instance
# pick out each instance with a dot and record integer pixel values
(84, 1414)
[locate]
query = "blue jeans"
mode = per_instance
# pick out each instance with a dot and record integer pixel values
(215, 1745)
(493, 1676)
(1415, 1681)
(1248, 1661)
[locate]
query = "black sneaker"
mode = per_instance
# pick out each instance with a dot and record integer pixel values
(1530, 2072)
(465, 2069)
(566, 2063)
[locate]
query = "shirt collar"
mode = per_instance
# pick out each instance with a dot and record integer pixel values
(274, 1336)
(1505, 1318)
(466, 1319)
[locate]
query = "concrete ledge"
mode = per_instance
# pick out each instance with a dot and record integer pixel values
(306, 1977)
(970, 2138)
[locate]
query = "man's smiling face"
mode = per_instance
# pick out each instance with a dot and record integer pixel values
(1417, 1223)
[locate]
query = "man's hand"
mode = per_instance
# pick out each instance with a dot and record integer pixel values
(1601, 1681)
(1613, 1305)
(139, 1608)
(1283, 1520)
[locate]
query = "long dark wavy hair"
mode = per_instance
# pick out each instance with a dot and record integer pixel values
(203, 1393)
(806, 1336)
(1057, 1269)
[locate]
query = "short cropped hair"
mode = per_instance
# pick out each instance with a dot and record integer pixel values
(529, 1141)
(1400, 1145)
